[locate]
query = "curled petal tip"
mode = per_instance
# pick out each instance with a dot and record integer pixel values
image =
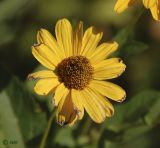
(77, 111)
(61, 123)
(30, 77)
(122, 99)
(36, 44)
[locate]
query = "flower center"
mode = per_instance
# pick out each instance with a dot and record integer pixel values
(75, 72)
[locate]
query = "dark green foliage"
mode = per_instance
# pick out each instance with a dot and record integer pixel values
(21, 118)
(24, 115)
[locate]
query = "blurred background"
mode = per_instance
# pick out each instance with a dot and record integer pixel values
(24, 115)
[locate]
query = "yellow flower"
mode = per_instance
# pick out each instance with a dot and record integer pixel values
(153, 5)
(77, 72)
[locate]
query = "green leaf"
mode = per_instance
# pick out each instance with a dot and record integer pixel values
(32, 121)
(133, 120)
(9, 124)
(30, 118)
(64, 137)
(134, 132)
(133, 111)
(141, 136)
(153, 117)
(128, 46)
(122, 36)
(132, 48)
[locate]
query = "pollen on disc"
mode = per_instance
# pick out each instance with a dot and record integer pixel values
(75, 72)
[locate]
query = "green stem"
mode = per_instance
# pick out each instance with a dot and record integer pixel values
(86, 126)
(134, 22)
(44, 138)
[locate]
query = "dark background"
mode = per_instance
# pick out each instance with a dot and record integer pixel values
(24, 115)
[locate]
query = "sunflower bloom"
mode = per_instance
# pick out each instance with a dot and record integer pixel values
(77, 70)
(153, 5)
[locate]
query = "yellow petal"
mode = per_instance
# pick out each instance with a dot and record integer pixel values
(106, 105)
(149, 3)
(108, 69)
(45, 56)
(155, 10)
(109, 90)
(77, 39)
(122, 5)
(78, 103)
(42, 74)
(92, 106)
(72, 120)
(42, 59)
(103, 51)
(66, 115)
(45, 86)
(39, 38)
(61, 91)
(46, 38)
(90, 41)
(64, 36)
(96, 105)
